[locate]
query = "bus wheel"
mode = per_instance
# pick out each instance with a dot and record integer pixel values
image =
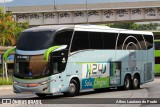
(41, 95)
(127, 82)
(136, 82)
(73, 89)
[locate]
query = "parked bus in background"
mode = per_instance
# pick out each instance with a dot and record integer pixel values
(71, 58)
(157, 52)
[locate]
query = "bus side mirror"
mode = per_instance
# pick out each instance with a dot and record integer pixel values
(51, 50)
(8, 52)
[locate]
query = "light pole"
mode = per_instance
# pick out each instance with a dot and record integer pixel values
(54, 4)
(4, 6)
(87, 10)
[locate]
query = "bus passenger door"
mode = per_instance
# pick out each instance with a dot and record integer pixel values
(148, 67)
(149, 59)
(115, 73)
(58, 65)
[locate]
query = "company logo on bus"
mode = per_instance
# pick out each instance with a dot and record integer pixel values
(132, 61)
(95, 70)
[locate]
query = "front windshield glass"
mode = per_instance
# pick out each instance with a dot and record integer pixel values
(31, 66)
(38, 40)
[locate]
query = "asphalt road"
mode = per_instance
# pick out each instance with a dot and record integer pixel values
(85, 99)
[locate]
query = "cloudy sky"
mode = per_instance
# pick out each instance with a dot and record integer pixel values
(49, 2)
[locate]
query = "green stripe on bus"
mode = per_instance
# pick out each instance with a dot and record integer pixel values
(157, 68)
(157, 53)
(157, 40)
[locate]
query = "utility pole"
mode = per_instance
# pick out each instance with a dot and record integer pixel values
(87, 10)
(4, 6)
(54, 4)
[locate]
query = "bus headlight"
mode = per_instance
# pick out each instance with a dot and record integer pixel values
(16, 83)
(44, 82)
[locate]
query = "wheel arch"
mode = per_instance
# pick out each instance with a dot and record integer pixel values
(127, 73)
(75, 77)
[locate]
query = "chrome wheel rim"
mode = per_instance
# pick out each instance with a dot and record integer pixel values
(135, 81)
(72, 88)
(127, 83)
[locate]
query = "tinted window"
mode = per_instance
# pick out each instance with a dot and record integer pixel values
(149, 41)
(141, 41)
(63, 38)
(130, 42)
(157, 60)
(95, 39)
(157, 45)
(156, 36)
(80, 41)
(109, 40)
(35, 40)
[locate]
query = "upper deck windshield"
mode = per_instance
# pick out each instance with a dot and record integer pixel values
(37, 40)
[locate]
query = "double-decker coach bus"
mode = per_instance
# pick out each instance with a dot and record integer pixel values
(157, 52)
(71, 58)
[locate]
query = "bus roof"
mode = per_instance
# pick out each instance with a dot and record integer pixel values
(49, 28)
(85, 27)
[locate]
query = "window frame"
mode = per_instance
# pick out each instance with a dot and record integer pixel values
(60, 31)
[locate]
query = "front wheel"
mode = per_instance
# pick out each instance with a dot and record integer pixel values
(127, 82)
(73, 89)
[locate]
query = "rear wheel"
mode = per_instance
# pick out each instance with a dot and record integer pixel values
(127, 82)
(73, 89)
(136, 82)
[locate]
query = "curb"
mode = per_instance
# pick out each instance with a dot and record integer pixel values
(6, 87)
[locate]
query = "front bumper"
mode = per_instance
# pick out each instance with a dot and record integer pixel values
(24, 85)
(38, 89)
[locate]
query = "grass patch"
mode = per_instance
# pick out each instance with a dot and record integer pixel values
(4, 81)
(1, 69)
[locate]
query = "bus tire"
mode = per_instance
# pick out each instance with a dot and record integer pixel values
(73, 89)
(136, 82)
(127, 82)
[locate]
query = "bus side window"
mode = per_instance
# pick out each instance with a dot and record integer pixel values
(141, 41)
(96, 40)
(109, 40)
(128, 42)
(80, 41)
(149, 41)
(63, 38)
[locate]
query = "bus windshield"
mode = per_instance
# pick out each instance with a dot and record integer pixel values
(35, 40)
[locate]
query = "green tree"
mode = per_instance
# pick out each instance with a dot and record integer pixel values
(9, 29)
(134, 26)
